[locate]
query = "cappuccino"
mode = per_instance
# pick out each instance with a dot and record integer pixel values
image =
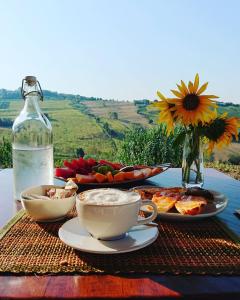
(108, 213)
(108, 196)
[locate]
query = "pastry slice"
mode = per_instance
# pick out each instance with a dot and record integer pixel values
(164, 202)
(190, 205)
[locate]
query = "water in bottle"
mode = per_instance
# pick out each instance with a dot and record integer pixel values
(32, 141)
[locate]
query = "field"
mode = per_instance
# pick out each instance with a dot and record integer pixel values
(96, 126)
(88, 126)
(226, 153)
(127, 112)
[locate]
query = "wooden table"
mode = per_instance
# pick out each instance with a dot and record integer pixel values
(141, 286)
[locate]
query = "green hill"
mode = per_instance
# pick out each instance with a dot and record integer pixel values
(96, 125)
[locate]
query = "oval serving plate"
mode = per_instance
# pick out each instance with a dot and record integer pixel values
(165, 167)
(213, 208)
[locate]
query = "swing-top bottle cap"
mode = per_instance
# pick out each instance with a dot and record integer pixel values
(31, 80)
(30, 85)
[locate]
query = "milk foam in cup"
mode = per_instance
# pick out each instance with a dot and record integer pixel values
(108, 213)
(109, 197)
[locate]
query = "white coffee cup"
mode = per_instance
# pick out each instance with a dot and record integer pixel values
(108, 214)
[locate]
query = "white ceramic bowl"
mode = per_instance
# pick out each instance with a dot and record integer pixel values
(46, 210)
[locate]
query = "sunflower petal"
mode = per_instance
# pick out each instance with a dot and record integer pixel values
(224, 115)
(196, 83)
(154, 104)
(184, 87)
(190, 87)
(173, 100)
(211, 96)
(181, 89)
(177, 94)
(214, 114)
(202, 88)
(161, 96)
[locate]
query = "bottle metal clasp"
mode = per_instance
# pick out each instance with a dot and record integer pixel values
(31, 80)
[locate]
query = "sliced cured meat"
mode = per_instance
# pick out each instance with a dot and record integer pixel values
(147, 193)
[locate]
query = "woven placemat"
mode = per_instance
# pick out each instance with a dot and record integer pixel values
(204, 247)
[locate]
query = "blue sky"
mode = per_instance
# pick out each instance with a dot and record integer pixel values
(121, 49)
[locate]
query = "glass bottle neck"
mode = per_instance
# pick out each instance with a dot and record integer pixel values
(31, 104)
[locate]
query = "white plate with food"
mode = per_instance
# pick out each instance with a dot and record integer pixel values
(102, 173)
(180, 204)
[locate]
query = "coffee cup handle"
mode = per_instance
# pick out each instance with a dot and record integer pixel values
(152, 216)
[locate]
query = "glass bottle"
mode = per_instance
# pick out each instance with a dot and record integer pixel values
(32, 141)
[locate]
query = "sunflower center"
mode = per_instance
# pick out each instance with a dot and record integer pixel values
(216, 129)
(191, 101)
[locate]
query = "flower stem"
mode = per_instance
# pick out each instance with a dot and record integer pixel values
(192, 159)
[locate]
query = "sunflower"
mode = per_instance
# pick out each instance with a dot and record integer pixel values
(166, 112)
(191, 106)
(221, 131)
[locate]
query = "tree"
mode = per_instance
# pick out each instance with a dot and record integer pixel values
(113, 115)
(80, 152)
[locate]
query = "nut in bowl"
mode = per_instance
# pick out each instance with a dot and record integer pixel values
(49, 203)
(108, 213)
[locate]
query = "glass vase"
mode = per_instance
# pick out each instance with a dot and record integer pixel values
(192, 163)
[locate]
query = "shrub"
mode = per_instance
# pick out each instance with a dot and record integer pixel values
(234, 159)
(149, 146)
(5, 153)
(5, 122)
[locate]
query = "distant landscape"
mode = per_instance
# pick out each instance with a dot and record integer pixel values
(95, 125)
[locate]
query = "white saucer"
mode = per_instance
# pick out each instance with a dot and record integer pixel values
(75, 236)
